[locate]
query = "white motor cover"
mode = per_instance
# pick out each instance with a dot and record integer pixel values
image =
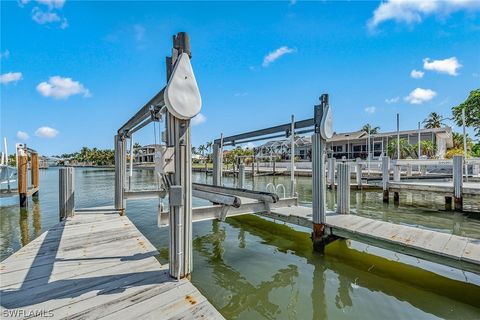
(326, 126)
(182, 96)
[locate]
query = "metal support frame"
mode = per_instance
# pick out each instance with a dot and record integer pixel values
(179, 182)
(318, 179)
(120, 171)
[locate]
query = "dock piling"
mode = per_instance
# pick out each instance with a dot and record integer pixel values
(35, 167)
(66, 196)
(331, 172)
(217, 164)
(241, 175)
(22, 172)
(120, 171)
(458, 182)
(396, 178)
(358, 173)
(385, 177)
(343, 188)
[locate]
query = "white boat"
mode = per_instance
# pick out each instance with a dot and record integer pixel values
(8, 174)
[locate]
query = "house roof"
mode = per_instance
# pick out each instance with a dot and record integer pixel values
(348, 136)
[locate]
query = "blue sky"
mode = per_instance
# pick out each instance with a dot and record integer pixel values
(73, 72)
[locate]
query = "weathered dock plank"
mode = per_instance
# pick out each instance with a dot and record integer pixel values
(442, 187)
(455, 251)
(96, 264)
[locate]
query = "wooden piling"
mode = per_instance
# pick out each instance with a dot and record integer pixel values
(35, 167)
(458, 182)
(22, 173)
(66, 196)
(343, 188)
(385, 177)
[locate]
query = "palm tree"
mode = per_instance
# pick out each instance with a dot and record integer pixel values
(458, 141)
(202, 149)
(194, 150)
(368, 129)
(406, 149)
(434, 120)
(209, 146)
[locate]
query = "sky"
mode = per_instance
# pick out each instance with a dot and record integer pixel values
(72, 72)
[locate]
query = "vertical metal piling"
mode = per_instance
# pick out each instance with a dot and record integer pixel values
(292, 157)
(120, 171)
(241, 176)
(458, 182)
(217, 165)
(385, 177)
(343, 188)
(358, 173)
(331, 172)
(66, 196)
(319, 179)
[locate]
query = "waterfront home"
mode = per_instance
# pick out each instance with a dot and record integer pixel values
(352, 145)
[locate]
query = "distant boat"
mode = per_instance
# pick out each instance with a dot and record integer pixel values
(8, 174)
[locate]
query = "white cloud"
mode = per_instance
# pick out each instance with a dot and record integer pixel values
(61, 88)
(448, 66)
(139, 32)
(5, 54)
(22, 135)
(416, 74)
(370, 109)
(46, 132)
(10, 77)
(250, 145)
(392, 100)
(274, 55)
(198, 119)
(414, 11)
(64, 24)
(42, 17)
(52, 4)
(419, 96)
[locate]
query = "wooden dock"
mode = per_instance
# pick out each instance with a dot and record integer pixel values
(455, 251)
(440, 187)
(94, 265)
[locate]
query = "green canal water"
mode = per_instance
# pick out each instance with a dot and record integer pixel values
(252, 268)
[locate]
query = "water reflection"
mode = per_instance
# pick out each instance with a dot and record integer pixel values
(343, 278)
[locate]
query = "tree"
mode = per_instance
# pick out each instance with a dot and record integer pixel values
(434, 120)
(472, 112)
(194, 150)
(458, 141)
(368, 129)
(406, 149)
(202, 149)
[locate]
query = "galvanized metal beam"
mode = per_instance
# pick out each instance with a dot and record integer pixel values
(216, 211)
(257, 195)
(262, 132)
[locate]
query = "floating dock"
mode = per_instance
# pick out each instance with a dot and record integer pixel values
(92, 265)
